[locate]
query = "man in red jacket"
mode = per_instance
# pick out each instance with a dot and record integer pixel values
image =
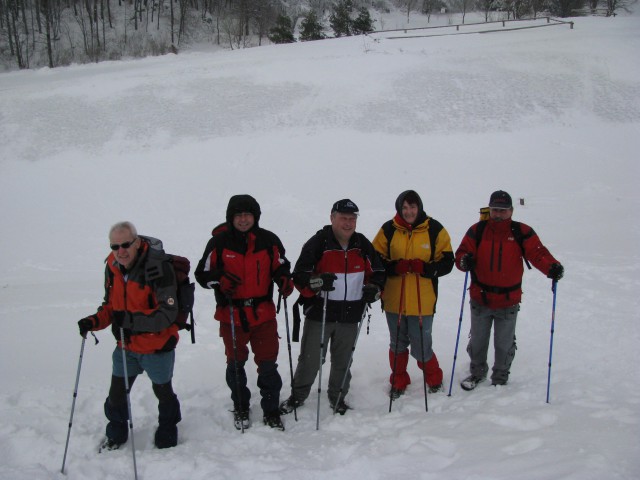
(492, 251)
(241, 263)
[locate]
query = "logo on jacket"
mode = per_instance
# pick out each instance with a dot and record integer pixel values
(426, 246)
(171, 301)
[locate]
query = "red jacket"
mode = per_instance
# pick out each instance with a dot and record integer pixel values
(257, 258)
(497, 276)
(153, 307)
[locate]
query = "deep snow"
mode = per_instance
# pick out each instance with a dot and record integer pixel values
(551, 115)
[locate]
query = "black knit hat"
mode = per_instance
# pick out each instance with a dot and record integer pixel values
(243, 204)
(411, 197)
(345, 206)
(500, 199)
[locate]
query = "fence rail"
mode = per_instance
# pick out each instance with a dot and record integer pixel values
(550, 21)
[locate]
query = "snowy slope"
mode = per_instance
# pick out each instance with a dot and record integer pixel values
(551, 115)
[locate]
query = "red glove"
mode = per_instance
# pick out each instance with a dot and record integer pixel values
(229, 284)
(417, 266)
(285, 285)
(402, 267)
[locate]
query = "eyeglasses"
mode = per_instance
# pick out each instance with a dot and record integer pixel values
(115, 247)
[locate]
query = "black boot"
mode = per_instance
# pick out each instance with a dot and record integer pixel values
(168, 416)
(117, 431)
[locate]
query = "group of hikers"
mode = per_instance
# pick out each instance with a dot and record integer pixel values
(339, 272)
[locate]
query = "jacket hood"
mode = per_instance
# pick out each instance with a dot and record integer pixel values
(411, 196)
(243, 203)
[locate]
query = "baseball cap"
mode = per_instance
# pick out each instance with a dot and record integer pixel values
(500, 199)
(345, 206)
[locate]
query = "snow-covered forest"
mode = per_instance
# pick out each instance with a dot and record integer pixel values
(37, 33)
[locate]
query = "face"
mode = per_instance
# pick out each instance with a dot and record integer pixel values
(124, 256)
(500, 214)
(343, 225)
(243, 222)
(409, 212)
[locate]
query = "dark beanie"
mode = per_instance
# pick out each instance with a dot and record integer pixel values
(241, 204)
(411, 197)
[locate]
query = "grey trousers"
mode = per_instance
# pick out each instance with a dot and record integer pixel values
(339, 338)
(504, 340)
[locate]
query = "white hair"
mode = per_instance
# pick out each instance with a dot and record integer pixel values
(124, 226)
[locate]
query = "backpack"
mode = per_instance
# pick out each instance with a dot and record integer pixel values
(185, 288)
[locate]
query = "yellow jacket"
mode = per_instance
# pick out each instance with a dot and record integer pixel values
(428, 241)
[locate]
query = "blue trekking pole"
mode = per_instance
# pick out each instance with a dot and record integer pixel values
(455, 354)
(554, 289)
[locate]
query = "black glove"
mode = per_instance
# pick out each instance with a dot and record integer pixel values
(121, 319)
(85, 325)
(323, 282)
(370, 293)
(467, 262)
(556, 272)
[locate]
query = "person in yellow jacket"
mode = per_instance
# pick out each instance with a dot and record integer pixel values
(416, 250)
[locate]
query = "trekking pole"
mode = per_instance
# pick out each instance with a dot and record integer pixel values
(126, 386)
(286, 320)
(353, 349)
(324, 321)
(554, 288)
(395, 351)
(455, 353)
(424, 364)
(235, 361)
(73, 403)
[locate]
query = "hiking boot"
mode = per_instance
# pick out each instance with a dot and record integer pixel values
(340, 408)
(273, 420)
(497, 382)
(396, 393)
(471, 382)
(436, 388)
(288, 405)
(107, 445)
(241, 419)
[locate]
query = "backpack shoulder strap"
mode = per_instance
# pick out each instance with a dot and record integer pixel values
(389, 230)
(479, 231)
(435, 227)
(516, 229)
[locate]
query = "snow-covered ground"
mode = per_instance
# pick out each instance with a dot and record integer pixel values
(551, 115)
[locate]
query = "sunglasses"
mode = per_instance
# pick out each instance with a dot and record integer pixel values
(115, 247)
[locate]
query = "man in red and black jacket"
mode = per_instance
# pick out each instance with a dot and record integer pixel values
(241, 263)
(342, 264)
(144, 311)
(493, 251)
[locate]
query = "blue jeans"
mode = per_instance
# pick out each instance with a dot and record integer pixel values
(409, 335)
(159, 366)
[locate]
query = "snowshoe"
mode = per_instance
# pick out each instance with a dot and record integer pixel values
(396, 393)
(107, 445)
(340, 408)
(241, 419)
(471, 382)
(288, 405)
(273, 420)
(435, 388)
